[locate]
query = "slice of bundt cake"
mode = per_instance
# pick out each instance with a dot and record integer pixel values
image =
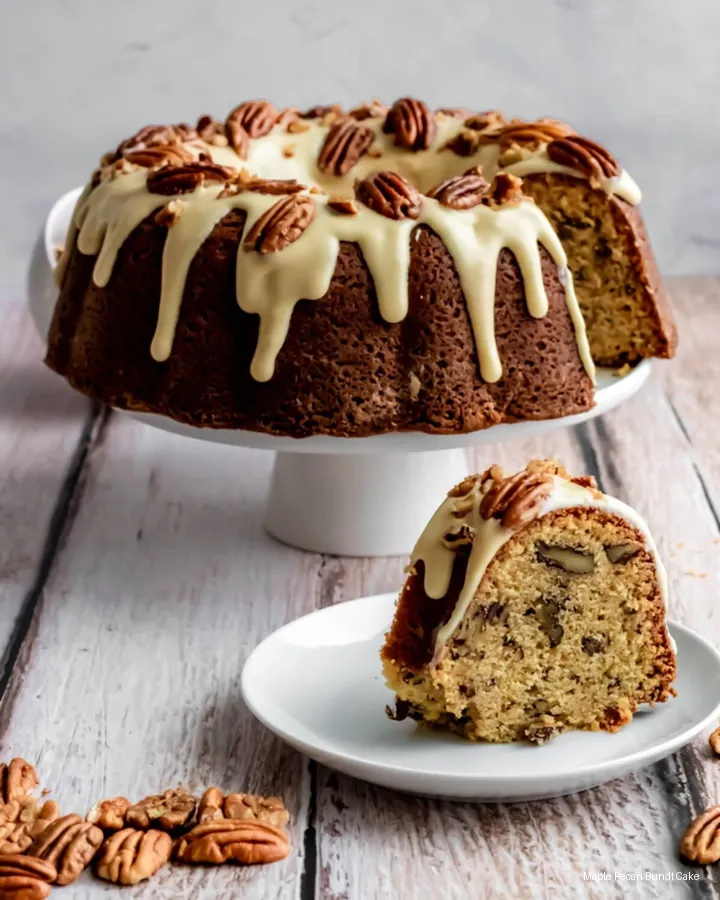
(534, 604)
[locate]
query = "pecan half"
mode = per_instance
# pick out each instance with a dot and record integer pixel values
(373, 110)
(69, 844)
(319, 112)
(257, 117)
(345, 144)
(714, 741)
(25, 878)
(584, 155)
(160, 155)
(16, 836)
(412, 123)
(390, 195)
(17, 780)
(168, 811)
(151, 135)
(109, 814)
(172, 180)
(281, 225)
(269, 810)
(237, 138)
(505, 190)
(461, 192)
(210, 807)
(541, 131)
(701, 841)
(245, 841)
(516, 500)
(130, 856)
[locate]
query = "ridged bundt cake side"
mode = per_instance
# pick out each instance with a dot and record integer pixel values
(324, 293)
(534, 604)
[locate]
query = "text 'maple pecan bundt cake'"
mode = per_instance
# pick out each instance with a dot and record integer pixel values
(354, 274)
(534, 604)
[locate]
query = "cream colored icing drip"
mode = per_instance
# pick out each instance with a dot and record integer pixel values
(489, 537)
(270, 285)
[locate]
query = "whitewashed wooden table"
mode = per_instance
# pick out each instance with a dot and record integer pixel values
(135, 578)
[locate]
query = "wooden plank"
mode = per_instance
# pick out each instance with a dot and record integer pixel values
(164, 585)
(41, 429)
(422, 848)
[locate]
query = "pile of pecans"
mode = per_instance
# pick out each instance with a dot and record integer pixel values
(128, 842)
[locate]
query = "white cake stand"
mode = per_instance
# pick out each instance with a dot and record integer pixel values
(346, 496)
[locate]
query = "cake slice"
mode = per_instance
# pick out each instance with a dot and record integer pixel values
(534, 604)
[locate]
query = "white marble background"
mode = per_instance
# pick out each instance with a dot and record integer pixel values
(642, 76)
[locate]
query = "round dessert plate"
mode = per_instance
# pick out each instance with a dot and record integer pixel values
(317, 683)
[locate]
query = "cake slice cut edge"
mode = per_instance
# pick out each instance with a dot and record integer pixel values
(534, 605)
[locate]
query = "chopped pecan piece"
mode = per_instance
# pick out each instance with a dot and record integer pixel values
(25, 878)
(160, 155)
(621, 553)
(373, 110)
(169, 214)
(490, 121)
(288, 115)
(345, 144)
(207, 128)
(168, 811)
(542, 731)
(17, 780)
(244, 841)
(566, 558)
(256, 117)
(210, 807)
(701, 841)
(461, 192)
(273, 186)
(281, 225)
(714, 741)
(584, 155)
(130, 856)
(504, 190)
(171, 180)
(464, 143)
(464, 488)
(319, 112)
(69, 844)
(342, 205)
(412, 123)
(390, 195)
(109, 814)
(453, 112)
(516, 500)
(458, 537)
(269, 810)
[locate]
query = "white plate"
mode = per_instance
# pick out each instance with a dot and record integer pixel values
(611, 390)
(317, 683)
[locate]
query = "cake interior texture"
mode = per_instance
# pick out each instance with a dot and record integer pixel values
(565, 631)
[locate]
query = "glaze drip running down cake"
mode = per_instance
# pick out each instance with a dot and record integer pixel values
(355, 273)
(534, 604)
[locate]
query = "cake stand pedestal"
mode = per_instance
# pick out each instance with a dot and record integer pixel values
(343, 496)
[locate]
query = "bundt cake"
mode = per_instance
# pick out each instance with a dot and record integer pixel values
(355, 273)
(534, 604)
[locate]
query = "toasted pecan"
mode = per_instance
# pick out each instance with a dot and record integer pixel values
(345, 144)
(412, 123)
(461, 192)
(390, 195)
(281, 225)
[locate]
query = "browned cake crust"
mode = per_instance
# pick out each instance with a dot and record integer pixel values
(342, 371)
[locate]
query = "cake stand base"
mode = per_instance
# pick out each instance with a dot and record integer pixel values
(358, 505)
